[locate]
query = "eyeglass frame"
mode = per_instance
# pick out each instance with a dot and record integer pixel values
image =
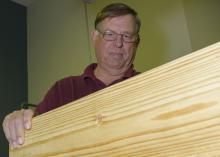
(136, 35)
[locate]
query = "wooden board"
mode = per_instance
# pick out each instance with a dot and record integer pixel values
(170, 111)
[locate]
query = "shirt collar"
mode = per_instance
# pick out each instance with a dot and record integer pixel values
(130, 72)
(89, 71)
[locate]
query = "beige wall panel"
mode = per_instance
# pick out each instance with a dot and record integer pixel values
(170, 111)
(57, 43)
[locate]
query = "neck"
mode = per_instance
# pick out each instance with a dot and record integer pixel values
(107, 76)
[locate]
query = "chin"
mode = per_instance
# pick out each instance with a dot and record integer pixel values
(116, 65)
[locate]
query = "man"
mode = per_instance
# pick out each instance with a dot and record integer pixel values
(115, 39)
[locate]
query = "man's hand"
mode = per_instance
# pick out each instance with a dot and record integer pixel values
(14, 125)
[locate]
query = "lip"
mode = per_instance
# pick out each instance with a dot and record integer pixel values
(116, 55)
(116, 52)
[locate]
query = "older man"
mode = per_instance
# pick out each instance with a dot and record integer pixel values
(115, 38)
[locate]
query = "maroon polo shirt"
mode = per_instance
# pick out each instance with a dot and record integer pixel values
(75, 87)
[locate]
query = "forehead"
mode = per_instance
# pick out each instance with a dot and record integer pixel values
(125, 23)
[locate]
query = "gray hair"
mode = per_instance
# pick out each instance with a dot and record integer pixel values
(115, 10)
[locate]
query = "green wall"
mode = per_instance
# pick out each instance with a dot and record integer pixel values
(203, 21)
(57, 43)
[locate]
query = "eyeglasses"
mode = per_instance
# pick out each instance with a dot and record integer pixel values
(112, 36)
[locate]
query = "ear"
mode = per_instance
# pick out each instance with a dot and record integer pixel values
(93, 35)
(138, 40)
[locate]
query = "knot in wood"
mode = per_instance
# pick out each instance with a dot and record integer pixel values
(99, 119)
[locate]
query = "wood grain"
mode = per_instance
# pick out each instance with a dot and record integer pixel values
(170, 111)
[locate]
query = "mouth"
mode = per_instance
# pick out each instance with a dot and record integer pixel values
(116, 55)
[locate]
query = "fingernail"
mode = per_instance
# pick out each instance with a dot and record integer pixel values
(20, 141)
(14, 144)
(27, 125)
(11, 145)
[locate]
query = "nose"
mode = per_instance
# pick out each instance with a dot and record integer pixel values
(119, 40)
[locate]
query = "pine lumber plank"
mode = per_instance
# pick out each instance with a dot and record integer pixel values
(170, 111)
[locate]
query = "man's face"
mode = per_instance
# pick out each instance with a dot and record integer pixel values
(115, 54)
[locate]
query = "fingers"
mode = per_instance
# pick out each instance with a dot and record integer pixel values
(16, 129)
(6, 130)
(14, 125)
(23, 121)
(28, 114)
(9, 129)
